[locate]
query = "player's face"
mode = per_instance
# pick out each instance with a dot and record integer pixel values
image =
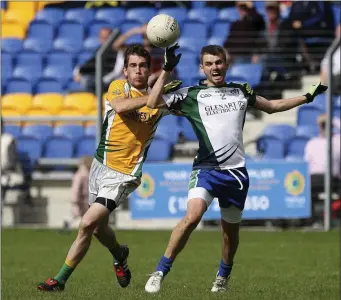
(137, 71)
(215, 68)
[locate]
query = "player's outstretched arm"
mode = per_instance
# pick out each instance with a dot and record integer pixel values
(274, 106)
(171, 60)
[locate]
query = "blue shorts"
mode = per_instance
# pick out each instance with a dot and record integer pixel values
(229, 186)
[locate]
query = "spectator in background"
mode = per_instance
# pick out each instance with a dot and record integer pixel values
(312, 19)
(85, 74)
(336, 67)
(245, 34)
(315, 155)
(11, 171)
(80, 192)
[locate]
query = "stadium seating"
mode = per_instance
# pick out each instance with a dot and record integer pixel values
(83, 102)
(207, 15)
(296, 147)
(142, 15)
(12, 30)
(90, 130)
(86, 145)
(70, 131)
(307, 115)
(307, 131)
(80, 15)
(11, 45)
(194, 29)
(251, 72)
(18, 85)
(159, 150)
(29, 150)
(220, 30)
(95, 27)
(112, 16)
(48, 86)
(58, 147)
(229, 14)
(283, 132)
(38, 131)
(187, 130)
(270, 147)
(179, 13)
(19, 101)
(168, 130)
(14, 130)
(51, 102)
(52, 16)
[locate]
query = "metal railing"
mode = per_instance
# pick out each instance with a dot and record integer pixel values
(329, 132)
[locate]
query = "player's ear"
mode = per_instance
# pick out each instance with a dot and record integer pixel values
(125, 71)
(201, 67)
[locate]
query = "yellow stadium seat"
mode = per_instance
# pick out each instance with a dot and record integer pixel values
(52, 102)
(12, 30)
(8, 111)
(19, 101)
(69, 111)
(83, 102)
(36, 111)
(16, 16)
(91, 113)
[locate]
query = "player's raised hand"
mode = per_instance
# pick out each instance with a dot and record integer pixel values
(171, 60)
(315, 90)
(171, 86)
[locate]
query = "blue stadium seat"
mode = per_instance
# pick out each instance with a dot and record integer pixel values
(95, 27)
(270, 147)
(168, 130)
(127, 25)
(214, 40)
(11, 45)
(70, 37)
(220, 30)
(141, 14)
(251, 72)
(29, 72)
(38, 45)
(236, 79)
(307, 115)
(3, 4)
(83, 56)
(6, 66)
(296, 147)
(81, 15)
(48, 86)
(229, 14)
(207, 15)
(18, 85)
(337, 100)
(58, 147)
(194, 29)
(91, 43)
(192, 44)
(159, 150)
(320, 102)
(14, 130)
(59, 65)
(39, 131)
(86, 145)
(337, 112)
(50, 15)
(71, 131)
(187, 130)
(73, 87)
(307, 131)
(29, 58)
(90, 130)
(40, 30)
(113, 16)
(188, 68)
(29, 151)
(179, 13)
(281, 131)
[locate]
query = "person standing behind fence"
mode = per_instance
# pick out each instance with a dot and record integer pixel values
(79, 192)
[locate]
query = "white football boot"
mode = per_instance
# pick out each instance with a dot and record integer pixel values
(153, 284)
(220, 284)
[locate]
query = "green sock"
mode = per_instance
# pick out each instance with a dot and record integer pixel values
(64, 273)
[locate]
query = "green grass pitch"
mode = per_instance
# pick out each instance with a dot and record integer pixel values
(269, 265)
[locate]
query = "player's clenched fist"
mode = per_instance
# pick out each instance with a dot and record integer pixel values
(315, 90)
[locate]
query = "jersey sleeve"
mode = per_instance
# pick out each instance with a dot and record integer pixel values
(176, 99)
(116, 90)
(249, 93)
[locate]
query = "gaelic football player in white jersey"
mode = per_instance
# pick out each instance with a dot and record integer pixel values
(216, 109)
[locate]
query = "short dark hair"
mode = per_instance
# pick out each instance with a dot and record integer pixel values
(213, 50)
(137, 49)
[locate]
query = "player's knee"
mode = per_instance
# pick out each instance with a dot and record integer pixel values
(99, 231)
(87, 225)
(192, 219)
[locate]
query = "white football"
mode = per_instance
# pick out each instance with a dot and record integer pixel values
(163, 30)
